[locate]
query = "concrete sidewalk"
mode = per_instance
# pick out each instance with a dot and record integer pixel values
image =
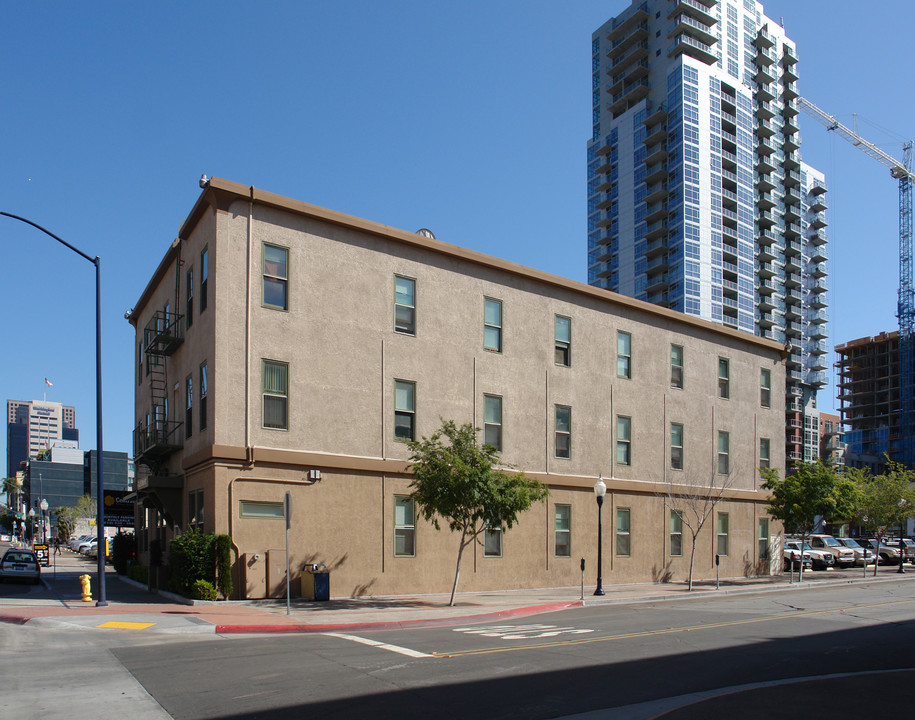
(57, 602)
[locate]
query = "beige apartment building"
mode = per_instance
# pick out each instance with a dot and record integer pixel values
(282, 347)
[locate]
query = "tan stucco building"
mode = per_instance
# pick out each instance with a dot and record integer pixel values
(285, 347)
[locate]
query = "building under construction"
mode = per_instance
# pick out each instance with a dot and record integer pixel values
(867, 372)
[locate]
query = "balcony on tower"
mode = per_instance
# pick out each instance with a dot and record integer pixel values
(624, 23)
(629, 96)
(685, 24)
(817, 203)
(818, 221)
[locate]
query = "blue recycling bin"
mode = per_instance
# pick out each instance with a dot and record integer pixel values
(316, 582)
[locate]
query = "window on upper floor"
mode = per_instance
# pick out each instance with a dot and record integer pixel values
(202, 389)
(404, 410)
(724, 452)
(765, 387)
(676, 446)
(492, 324)
(563, 431)
(764, 449)
(276, 276)
(492, 421)
(623, 440)
(563, 340)
(623, 355)
(724, 378)
(188, 406)
(275, 395)
(676, 366)
(189, 304)
(404, 305)
(204, 274)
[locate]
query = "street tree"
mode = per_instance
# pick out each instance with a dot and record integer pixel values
(463, 483)
(12, 486)
(885, 501)
(811, 490)
(69, 516)
(693, 498)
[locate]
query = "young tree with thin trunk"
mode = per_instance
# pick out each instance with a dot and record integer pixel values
(811, 490)
(694, 499)
(885, 501)
(457, 480)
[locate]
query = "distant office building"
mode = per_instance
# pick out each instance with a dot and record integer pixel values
(32, 426)
(697, 197)
(69, 473)
(832, 440)
(867, 371)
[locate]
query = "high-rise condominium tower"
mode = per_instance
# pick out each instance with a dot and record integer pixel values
(697, 196)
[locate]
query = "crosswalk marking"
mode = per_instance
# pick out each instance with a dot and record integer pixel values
(383, 646)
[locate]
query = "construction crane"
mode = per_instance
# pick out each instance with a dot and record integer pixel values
(905, 306)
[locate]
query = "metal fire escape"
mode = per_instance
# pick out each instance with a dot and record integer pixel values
(905, 307)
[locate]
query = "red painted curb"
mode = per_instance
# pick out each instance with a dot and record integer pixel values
(14, 619)
(397, 624)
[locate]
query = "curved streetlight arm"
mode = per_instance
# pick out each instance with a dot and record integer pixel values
(100, 483)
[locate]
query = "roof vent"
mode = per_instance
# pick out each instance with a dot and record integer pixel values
(426, 232)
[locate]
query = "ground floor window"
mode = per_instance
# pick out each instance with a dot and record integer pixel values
(563, 530)
(763, 536)
(260, 509)
(492, 542)
(676, 533)
(623, 548)
(722, 528)
(404, 526)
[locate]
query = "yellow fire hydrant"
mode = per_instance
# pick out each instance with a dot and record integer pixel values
(87, 590)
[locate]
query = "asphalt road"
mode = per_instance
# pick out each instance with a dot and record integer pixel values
(793, 654)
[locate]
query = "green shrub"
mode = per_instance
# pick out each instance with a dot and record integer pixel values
(140, 573)
(222, 545)
(190, 559)
(203, 590)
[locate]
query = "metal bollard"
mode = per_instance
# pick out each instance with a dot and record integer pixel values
(87, 590)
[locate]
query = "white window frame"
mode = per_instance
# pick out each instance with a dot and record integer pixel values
(494, 424)
(402, 529)
(560, 518)
(724, 380)
(623, 535)
(405, 412)
(271, 277)
(676, 366)
(623, 440)
(675, 530)
(408, 307)
(674, 465)
(567, 410)
(765, 387)
(274, 393)
(492, 326)
(724, 452)
(722, 535)
(562, 338)
(623, 354)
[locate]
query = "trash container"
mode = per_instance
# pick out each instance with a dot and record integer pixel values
(316, 582)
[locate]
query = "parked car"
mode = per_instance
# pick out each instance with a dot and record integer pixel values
(792, 558)
(863, 556)
(909, 547)
(73, 542)
(887, 555)
(20, 565)
(821, 559)
(83, 547)
(844, 557)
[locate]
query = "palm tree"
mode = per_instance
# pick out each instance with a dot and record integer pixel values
(12, 487)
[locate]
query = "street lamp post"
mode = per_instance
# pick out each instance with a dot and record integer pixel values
(32, 524)
(99, 478)
(600, 488)
(44, 521)
(902, 504)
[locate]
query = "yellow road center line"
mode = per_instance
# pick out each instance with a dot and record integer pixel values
(665, 631)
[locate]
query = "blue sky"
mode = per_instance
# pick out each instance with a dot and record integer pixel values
(469, 118)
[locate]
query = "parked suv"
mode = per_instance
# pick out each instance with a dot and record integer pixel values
(888, 554)
(909, 547)
(821, 559)
(863, 556)
(845, 557)
(792, 558)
